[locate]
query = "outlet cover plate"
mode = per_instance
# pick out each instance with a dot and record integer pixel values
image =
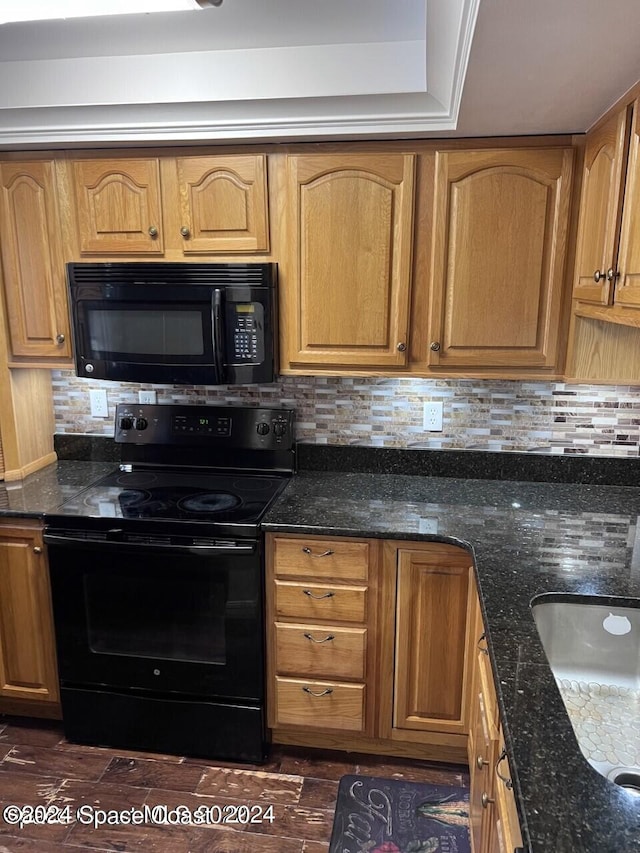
(99, 404)
(432, 417)
(147, 397)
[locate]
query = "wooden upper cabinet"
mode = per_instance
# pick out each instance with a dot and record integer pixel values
(349, 259)
(433, 634)
(118, 206)
(498, 257)
(600, 210)
(222, 204)
(32, 260)
(27, 643)
(627, 279)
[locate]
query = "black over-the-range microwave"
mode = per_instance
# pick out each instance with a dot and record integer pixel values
(174, 323)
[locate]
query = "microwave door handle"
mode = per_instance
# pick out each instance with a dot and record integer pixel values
(217, 328)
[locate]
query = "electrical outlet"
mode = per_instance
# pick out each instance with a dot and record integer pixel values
(147, 397)
(99, 405)
(428, 525)
(432, 417)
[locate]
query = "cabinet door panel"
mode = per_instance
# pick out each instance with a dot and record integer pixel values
(499, 257)
(627, 290)
(351, 244)
(118, 206)
(34, 281)
(600, 210)
(27, 657)
(223, 203)
(432, 637)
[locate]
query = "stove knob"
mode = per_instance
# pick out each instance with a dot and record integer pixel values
(141, 423)
(126, 423)
(279, 429)
(263, 428)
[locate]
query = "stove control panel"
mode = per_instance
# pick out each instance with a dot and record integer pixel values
(217, 427)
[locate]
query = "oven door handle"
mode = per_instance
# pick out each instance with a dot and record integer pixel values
(76, 542)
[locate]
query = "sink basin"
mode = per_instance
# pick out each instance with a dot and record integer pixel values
(593, 647)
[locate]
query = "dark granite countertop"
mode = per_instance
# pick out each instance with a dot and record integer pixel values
(527, 538)
(46, 489)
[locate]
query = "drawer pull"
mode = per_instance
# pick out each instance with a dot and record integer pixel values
(318, 597)
(505, 779)
(313, 639)
(317, 695)
(326, 553)
(483, 649)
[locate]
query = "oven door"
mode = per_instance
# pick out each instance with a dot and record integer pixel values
(161, 618)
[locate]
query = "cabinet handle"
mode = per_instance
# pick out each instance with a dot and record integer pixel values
(483, 649)
(60, 338)
(37, 549)
(153, 231)
(486, 800)
(434, 346)
(318, 597)
(597, 276)
(317, 695)
(612, 274)
(504, 779)
(313, 639)
(185, 232)
(401, 347)
(481, 762)
(326, 553)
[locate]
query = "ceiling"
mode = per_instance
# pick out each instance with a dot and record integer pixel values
(289, 69)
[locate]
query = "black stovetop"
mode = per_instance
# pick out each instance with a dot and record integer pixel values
(168, 495)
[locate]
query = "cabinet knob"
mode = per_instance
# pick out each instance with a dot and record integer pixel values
(401, 347)
(434, 346)
(185, 231)
(60, 338)
(612, 274)
(480, 762)
(153, 231)
(597, 276)
(37, 549)
(486, 800)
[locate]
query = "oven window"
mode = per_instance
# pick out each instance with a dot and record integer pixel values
(145, 331)
(164, 619)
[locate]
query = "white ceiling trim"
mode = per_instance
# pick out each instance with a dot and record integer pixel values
(337, 90)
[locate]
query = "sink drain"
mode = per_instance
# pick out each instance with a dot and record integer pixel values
(628, 779)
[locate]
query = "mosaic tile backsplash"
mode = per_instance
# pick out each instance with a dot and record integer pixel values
(500, 415)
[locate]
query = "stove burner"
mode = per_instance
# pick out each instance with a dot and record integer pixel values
(136, 478)
(209, 502)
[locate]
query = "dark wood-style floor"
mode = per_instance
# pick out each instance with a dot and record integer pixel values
(39, 767)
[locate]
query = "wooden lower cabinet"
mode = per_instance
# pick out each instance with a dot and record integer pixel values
(369, 644)
(28, 672)
(493, 817)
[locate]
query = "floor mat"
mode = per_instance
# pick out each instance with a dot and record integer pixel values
(376, 815)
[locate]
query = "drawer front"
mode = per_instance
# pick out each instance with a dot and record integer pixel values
(321, 558)
(310, 602)
(334, 706)
(321, 650)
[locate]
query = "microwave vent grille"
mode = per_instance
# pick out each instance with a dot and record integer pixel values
(163, 273)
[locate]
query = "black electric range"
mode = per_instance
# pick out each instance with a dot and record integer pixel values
(157, 582)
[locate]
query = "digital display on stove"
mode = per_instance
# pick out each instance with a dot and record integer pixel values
(201, 425)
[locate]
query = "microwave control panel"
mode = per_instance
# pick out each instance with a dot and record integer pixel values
(245, 331)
